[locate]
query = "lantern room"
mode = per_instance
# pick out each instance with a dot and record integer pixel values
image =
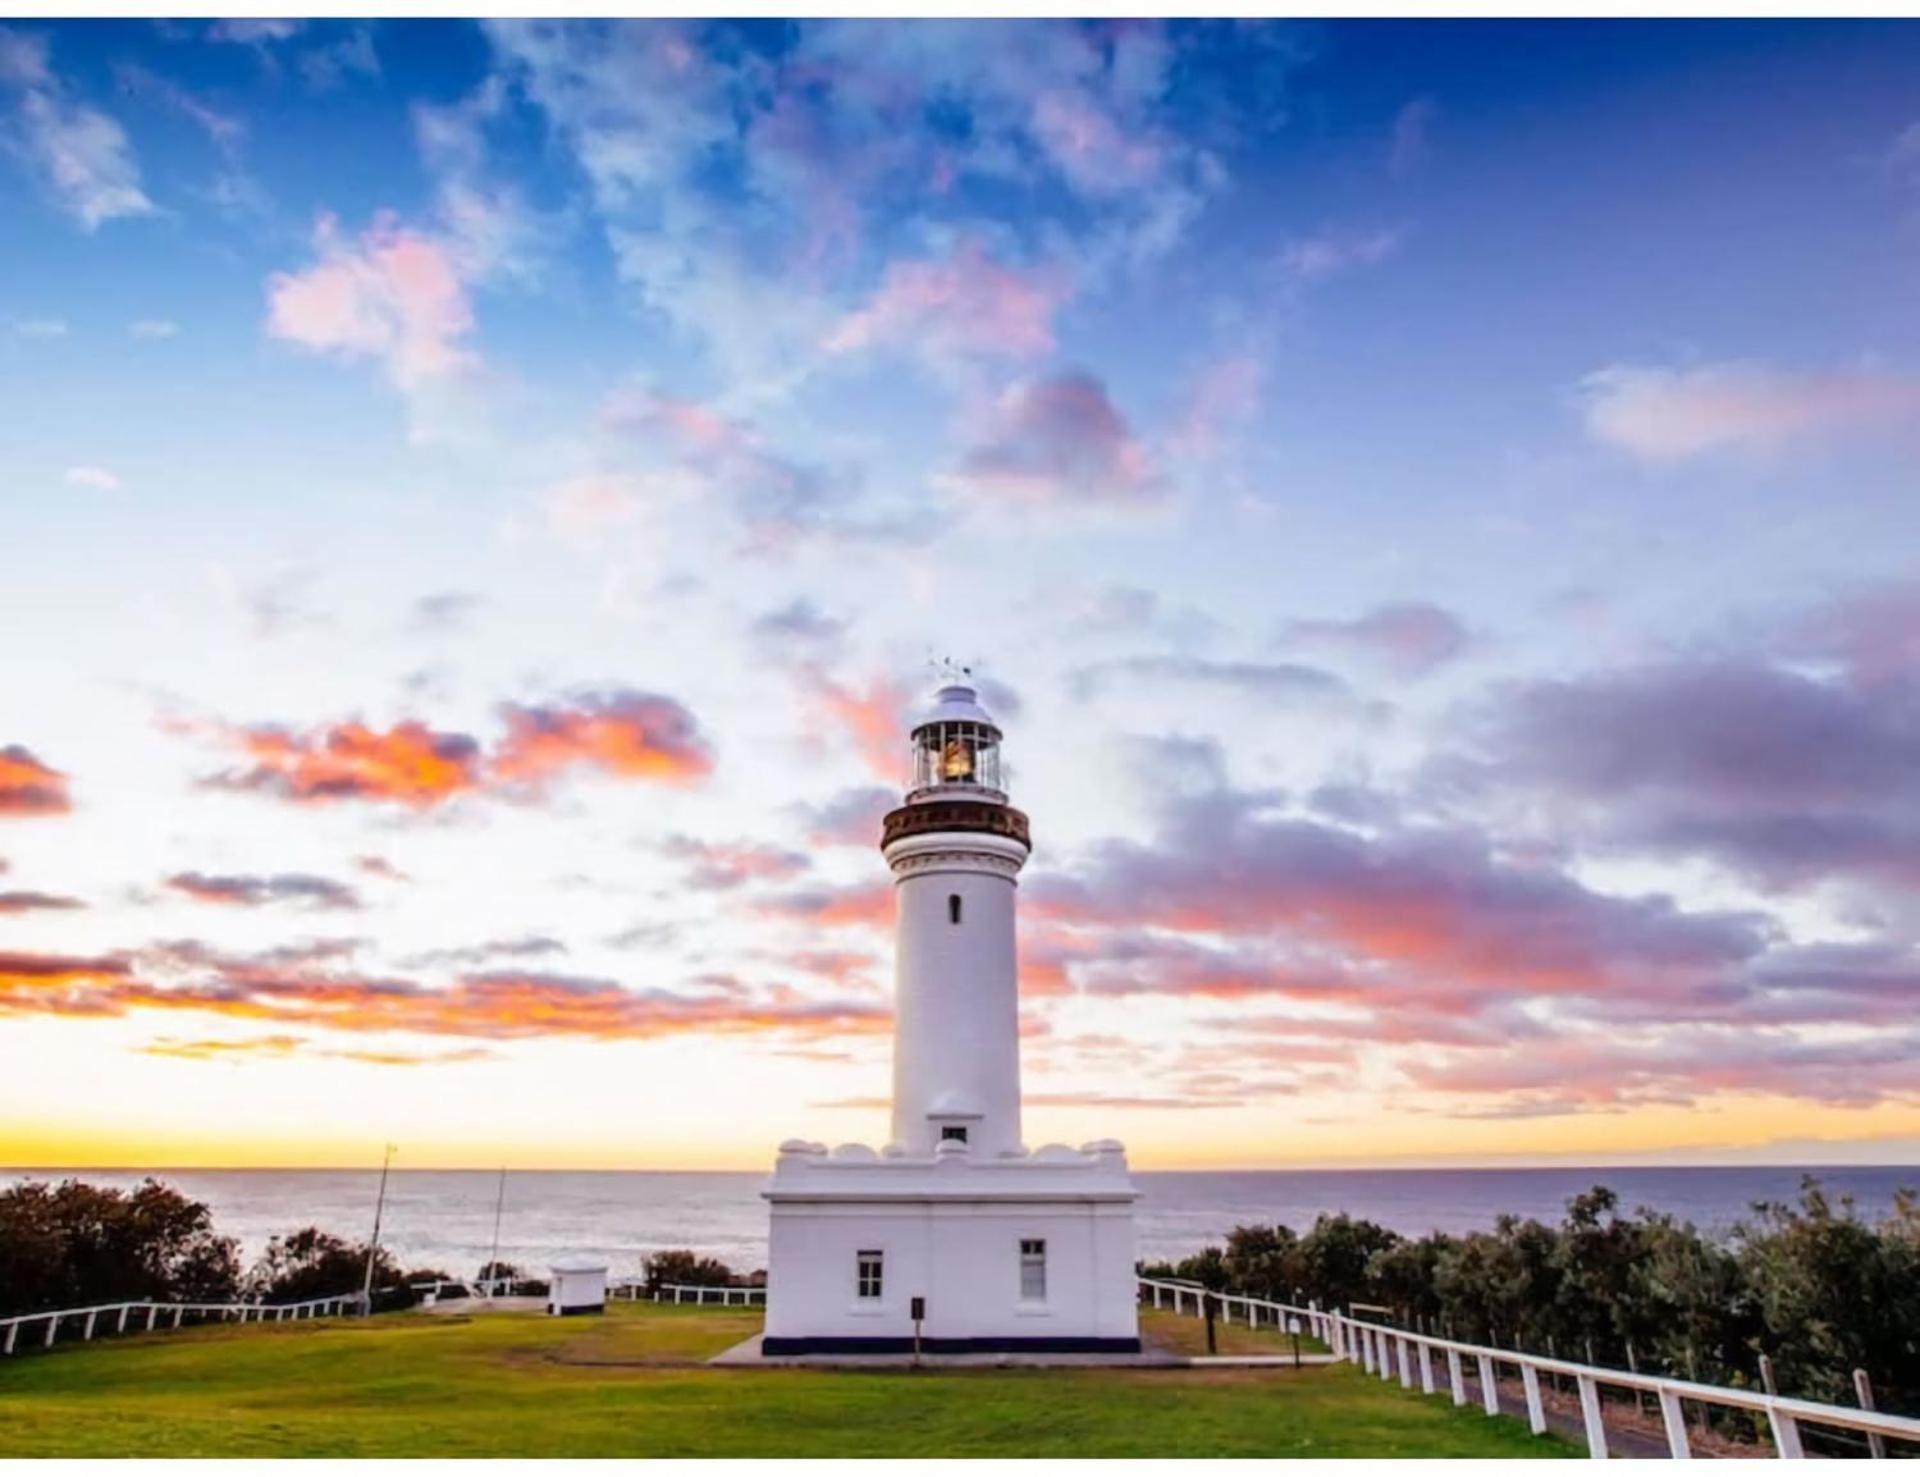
(956, 745)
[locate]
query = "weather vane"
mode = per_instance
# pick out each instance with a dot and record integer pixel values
(949, 669)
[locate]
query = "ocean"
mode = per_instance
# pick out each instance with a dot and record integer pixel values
(444, 1218)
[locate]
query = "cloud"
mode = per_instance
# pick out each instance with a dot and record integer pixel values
(780, 502)
(528, 946)
(253, 31)
(379, 866)
(255, 1047)
(1275, 682)
(1407, 145)
(876, 720)
(46, 982)
(798, 631)
(153, 328)
(1222, 399)
(1427, 917)
(97, 478)
(394, 295)
(496, 1005)
(82, 152)
(28, 787)
(1408, 637)
(1582, 1074)
(1664, 416)
(854, 905)
(850, 817)
(1058, 441)
(721, 866)
(1785, 777)
(254, 891)
(619, 732)
(35, 902)
(1311, 259)
(407, 764)
(38, 328)
(961, 306)
(446, 610)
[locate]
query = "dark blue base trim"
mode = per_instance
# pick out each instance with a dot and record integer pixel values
(774, 1347)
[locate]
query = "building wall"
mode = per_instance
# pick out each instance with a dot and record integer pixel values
(957, 1003)
(963, 1257)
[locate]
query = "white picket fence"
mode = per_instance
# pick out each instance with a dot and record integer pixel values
(1389, 1352)
(678, 1292)
(174, 1313)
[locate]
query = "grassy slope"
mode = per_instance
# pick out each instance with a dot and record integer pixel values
(630, 1385)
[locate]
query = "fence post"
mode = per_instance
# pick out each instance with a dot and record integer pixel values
(1674, 1415)
(92, 1313)
(1425, 1355)
(1863, 1392)
(125, 1308)
(1786, 1433)
(1456, 1378)
(13, 1332)
(1406, 1368)
(176, 1317)
(53, 1323)
(1590, 1413)
(153, 1312)
(1536, 1417)
(1366, 1349)
(1766, 1376)
(1489, 1386)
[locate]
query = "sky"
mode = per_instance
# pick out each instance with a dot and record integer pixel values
(1432, 507)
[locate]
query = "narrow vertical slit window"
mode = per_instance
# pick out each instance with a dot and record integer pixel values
(1033, 1271)
(953, 908)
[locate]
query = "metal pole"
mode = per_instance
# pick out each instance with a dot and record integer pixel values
(373, 1247)
(499, 1203)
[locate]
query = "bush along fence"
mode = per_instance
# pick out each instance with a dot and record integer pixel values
(1413, 1358)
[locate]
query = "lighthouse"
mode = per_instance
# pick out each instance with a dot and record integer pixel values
(954, 1236)
(956, 848)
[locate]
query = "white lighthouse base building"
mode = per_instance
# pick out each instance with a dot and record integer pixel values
(1024, 1253)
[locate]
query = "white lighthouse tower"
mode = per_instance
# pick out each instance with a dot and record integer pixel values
(954, 1232)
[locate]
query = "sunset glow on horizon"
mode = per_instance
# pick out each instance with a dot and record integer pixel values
(1432, 507)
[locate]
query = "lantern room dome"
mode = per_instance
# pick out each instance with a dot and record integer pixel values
(956, 703)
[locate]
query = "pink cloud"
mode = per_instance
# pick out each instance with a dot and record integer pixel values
(392, 295)
(1408, 636)
(1090, 147)
(1668, 415)
(966, 304)
(1059, 441)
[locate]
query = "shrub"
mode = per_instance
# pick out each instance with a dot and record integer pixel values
(76, 1244)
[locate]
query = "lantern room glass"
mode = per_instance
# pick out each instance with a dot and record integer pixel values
(956, 753)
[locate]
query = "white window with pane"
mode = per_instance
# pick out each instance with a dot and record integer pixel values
(1033, 1271)
(867, 1270)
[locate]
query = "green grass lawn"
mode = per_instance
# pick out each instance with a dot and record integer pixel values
(632, 1384)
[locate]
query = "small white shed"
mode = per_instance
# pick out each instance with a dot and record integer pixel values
(578, 1284)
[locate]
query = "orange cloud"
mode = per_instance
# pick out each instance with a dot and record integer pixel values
(874, 720)
(280, 991)
(631, 735)
(28, 787)
(635, 735)
(287, 1046)
(408, 764)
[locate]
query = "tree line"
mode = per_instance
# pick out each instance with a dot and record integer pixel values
(1810, 1284)
(75, 1245)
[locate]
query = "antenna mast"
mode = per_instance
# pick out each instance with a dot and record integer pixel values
(373, 1246)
